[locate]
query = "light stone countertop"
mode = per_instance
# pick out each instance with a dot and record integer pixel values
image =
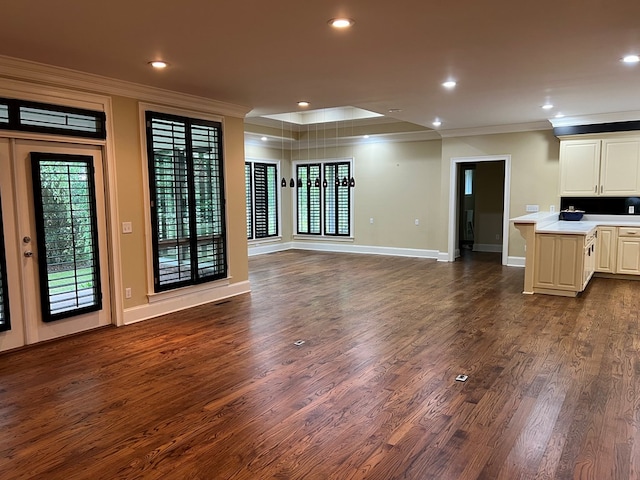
(547, 222)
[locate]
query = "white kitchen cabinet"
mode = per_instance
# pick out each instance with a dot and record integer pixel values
(628, 251)
(606, 245)
(620, 167)
(579, 167)
(559, 263)
(600, 167)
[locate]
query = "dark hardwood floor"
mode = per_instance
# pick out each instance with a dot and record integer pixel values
(221, 391)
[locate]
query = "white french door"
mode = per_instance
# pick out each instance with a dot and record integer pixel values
(53, 207)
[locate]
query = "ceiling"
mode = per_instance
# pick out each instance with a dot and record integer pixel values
(508, 58)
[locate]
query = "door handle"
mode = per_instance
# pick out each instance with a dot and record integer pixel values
(28, 254)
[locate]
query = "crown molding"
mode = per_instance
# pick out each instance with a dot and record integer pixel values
(494, 129)
(615, 117)
(26, 70)
(288, 143)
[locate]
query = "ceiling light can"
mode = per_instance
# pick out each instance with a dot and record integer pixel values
(631, 58)
(303, 103)
(341, 22)
(158, 64)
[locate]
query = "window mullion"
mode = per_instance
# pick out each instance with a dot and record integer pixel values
(191, 195)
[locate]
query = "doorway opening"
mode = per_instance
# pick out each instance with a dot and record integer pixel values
(479, 205)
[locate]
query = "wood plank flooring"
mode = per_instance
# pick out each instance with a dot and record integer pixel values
(221, 392)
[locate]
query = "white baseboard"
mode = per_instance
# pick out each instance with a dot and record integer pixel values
(188, 300)
(261, 249)
(487, 247)
(444, 256)
(515, 261)
(365, 249)
(343, 247)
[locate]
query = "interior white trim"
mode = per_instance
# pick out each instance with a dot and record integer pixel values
(515, 262)
(345, 248)
(143, 107)
(186, 300)
(453, 200)
(61, 96)
(64, 77)
(493, 129)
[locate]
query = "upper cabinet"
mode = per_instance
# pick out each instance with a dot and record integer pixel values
(600, 166)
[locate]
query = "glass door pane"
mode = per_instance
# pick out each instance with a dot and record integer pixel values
(65, 206)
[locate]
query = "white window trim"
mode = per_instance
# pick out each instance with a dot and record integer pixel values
(153, 296)
(278, 237)
(61, 96)
(294, 202)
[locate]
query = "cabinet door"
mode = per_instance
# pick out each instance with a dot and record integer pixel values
(559, 262)
(589, 263)
(579, 168)
(606, 244)
(628, 255)
(620, 167)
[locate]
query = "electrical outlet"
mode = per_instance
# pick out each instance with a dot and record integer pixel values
(552, 208)
(417, 222)
(371, 220)
(127, 292)
(632, 209)
(127, 227)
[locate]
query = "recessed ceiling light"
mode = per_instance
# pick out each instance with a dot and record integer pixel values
(449, 84)
(264, 139)
(158, 64)
(547, 106)
(436, 123)
(341, 22)
(303, 103)
(395, 110)
(631, 59)
(365, 136)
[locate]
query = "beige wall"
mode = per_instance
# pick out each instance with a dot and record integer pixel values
(128, 150)
(534, 174)
(399, 182)
(396, 183)
(130, 159)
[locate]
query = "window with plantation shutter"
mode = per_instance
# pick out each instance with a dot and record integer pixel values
(261, 183)
(308, 199)
(5, 323)
(323, 198)
(337, 199)
(4, 114)
(248, 188)
(187, 200)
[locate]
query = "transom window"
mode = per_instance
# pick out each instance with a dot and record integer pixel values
(261, 183)
(26, 116)
(323, 198)
(187, 200)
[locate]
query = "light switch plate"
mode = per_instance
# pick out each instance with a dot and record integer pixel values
(533, 208)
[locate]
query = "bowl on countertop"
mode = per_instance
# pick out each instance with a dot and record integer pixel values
(571, 215)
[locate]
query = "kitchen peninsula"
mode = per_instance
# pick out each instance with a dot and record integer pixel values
(562, 256)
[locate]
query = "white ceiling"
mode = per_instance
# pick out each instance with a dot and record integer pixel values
(508, 57)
